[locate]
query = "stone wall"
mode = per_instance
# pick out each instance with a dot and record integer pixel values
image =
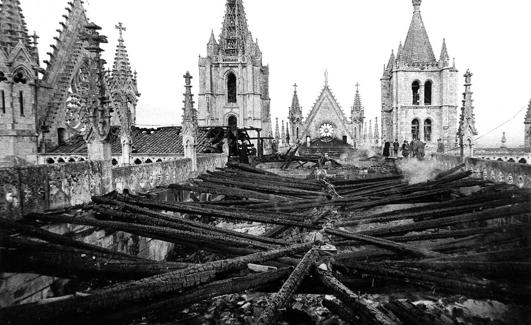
(496, 171)
(36, 188)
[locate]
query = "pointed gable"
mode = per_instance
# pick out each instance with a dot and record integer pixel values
(64, 62)
(326, 110)
(417, 48)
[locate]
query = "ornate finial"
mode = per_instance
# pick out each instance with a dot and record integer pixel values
(326, 77)
(468, 77)
(503, 140)
(357, 86)
(121, 28)
(35, 38)
(295, 87)
(188, 78)
(416, 4)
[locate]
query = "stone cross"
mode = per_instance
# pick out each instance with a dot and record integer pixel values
(121, 28)
(295, 87)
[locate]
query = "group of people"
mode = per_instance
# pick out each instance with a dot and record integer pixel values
(415, 148)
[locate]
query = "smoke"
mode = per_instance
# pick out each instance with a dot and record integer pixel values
(416, 171)
(366, 150)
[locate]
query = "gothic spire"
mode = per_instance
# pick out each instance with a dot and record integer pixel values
(417, 48)
(467, 121)
(357, 112)
(370, 130)
(212, 40)
(122, 68)
(234, 31)
(12, 25)
(444, 59)
(283, 131)
(528, 114)
(189, 113)
(376, 130)
(295, 110)
(277, 131)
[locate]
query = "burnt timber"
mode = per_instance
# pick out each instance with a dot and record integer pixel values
(340, 237)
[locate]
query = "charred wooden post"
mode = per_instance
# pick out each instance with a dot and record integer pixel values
(280, 299)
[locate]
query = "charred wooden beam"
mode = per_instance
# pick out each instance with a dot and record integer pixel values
(105, 300)
(341, 310)
(453, 283)
(413, 315)
(229, 191)
(367, 313)
(148, 217)
(280, 299)
(501, 212)
(191, 296)
(36, 232)
(74, 265)
(216, 212)
(384, 243)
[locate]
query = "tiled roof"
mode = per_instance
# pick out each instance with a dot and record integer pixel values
(417, 48)
(149, 141)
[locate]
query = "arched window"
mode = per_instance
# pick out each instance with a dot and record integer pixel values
(415, 88)
(61, 136)
(3, 101)
(72, 160)
(297, 133)
(138, 161)
(522, 161)
(149, 161)
(231, 88)
(427, 130)
(427, 92)
(20, 78)
(114, 162)
(50, 161)
(415, 127)
(511, 160)
(60, 160)
(2, 76)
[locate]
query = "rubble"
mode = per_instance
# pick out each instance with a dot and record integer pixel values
(389, 251)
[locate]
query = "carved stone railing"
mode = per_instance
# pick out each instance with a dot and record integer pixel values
(496, 171)
(37, 188)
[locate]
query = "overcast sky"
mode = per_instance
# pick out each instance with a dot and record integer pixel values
(301, 38)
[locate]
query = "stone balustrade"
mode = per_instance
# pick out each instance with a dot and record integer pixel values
(493, 170)
(40, 187)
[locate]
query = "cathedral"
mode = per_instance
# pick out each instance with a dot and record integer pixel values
(233, 82)
(419, 92)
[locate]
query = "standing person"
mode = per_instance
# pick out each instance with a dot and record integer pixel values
(421, 150)
(396, 146)
(387, 146)
(405, 149)
(412, 148)
(440, 146)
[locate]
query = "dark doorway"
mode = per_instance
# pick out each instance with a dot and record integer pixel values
(345, 139)
(233, 121)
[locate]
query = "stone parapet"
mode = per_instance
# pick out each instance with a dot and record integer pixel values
(37, 188)
(496, 171)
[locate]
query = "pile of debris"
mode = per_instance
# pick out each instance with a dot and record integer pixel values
(291, 158)
(373, 250)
